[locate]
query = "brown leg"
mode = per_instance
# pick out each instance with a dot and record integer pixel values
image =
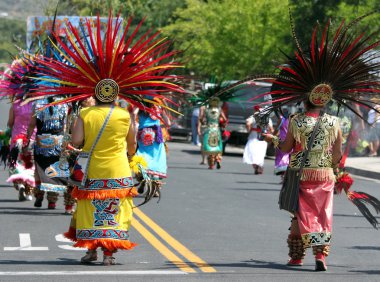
(211, 161)
(218, 159)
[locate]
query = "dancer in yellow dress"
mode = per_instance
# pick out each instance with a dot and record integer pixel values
(109, 67)
(104, 209)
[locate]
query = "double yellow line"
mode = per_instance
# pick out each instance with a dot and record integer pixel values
(171, 241)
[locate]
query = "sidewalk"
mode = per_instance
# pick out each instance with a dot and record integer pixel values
(364, 166)
(361, 166)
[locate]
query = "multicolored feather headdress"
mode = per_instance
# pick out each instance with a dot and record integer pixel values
(338, 66)
(15, 82)
(211, 91)
(109, 63)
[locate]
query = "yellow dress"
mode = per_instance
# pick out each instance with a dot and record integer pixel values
(104, 210)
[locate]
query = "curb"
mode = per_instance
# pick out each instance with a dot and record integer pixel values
(364, 173)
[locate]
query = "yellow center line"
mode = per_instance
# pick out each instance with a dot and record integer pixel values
(161, 247)
(174, 243)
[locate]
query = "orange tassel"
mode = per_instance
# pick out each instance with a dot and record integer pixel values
(104, 194)
(71, 234)
(108, 244)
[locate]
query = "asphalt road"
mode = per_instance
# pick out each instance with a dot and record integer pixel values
(221, 225)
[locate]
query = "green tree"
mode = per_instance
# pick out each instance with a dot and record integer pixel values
(306, 14)
(12, 32)
(231, 39)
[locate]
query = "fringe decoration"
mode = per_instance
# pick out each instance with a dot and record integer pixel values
(71, 234)
(108, 244)
(104, 194)
(300, 133)
(22, 178)
(317, 174)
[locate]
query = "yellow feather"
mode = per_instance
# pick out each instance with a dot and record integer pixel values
(135, 162)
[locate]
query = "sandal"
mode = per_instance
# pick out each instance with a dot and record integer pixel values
(91, 255)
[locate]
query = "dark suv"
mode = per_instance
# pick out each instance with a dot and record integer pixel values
(239, 112)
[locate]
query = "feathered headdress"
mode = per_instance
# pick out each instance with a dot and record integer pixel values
(15, 82)
(211, 91)
(337, 66)
(109, 65)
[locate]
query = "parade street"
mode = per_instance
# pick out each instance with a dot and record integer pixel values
(220, 225)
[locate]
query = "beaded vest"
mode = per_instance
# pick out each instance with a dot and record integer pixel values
(318, 165)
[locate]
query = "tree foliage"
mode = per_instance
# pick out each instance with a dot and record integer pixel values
(12, 32)
(227, 38)
(308, 13)
(231, 39)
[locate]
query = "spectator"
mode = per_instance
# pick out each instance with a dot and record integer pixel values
(374, 131)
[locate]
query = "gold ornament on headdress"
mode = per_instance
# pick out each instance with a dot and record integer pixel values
(106, 90)
(321, 95)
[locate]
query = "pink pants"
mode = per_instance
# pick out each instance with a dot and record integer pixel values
(315, 212)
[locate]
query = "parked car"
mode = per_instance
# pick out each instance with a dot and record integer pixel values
(181, 125)
(239, 112)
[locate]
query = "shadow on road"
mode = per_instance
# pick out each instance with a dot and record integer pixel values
(274, 183)
(256, 189)
(55, 262)
(369, 272)
(9, 201)
(192, 152)
(30, 211)
(254, 264)
(196, 168)
(352, 215)
(371, 248)
(239, 173)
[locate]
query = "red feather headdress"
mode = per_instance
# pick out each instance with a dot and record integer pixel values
(113, 63)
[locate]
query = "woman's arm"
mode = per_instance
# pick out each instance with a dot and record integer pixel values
(285, 146)
(77, 136)
(131, 140)
(32, 125)
(248, 124)
(223, 116)
(11, 118)
(200, 119)
(337, 149)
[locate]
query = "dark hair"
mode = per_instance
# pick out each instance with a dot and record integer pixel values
(98, 102)
(309, 105)
(50, 100)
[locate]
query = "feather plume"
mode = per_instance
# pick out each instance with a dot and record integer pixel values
(137, 65)
(361, 200)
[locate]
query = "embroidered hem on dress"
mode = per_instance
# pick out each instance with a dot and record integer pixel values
(52, 187)
(111, 184)
(156, 173)
(316, 239)
(105, 243)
